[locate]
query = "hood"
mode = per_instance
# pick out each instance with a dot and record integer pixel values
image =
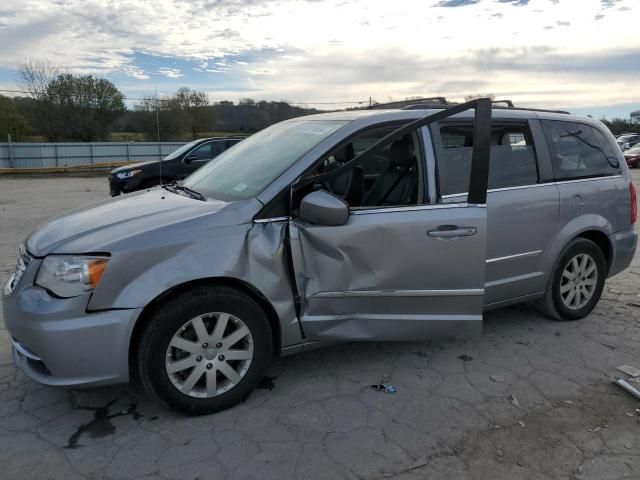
(133, 166)
(103, 226)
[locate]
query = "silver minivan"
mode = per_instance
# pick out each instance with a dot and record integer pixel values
(400, 224)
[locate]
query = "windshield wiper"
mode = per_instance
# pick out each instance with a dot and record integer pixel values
(174, 186)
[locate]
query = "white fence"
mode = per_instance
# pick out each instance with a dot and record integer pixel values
(39, 155)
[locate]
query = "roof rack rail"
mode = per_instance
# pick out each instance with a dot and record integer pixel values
(509, 103)
(441, 101)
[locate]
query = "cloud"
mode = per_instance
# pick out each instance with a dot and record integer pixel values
(323, 50)
(516, 3)
(456, 3)
(170, 72)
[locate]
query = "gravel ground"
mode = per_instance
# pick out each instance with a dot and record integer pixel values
(529, 399)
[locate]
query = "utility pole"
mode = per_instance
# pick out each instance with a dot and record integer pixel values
(157, 102)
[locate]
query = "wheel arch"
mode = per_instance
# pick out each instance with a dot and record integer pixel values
(145, 316)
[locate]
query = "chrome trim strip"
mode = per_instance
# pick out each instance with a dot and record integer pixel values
(23, 351)
(535, 185)
(401, 293)
(513, 257)
(273, 219)
(607, 177)
(416, 208)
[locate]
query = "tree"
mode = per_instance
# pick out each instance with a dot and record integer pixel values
(620, 125)
(71, 107)
(160, 118)
(11, 121)
(198, 114)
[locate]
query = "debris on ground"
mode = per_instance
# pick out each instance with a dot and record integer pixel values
(628, 387)
(384, 387)
(629, 370)
(521, 423)
(497, 378)
(514, 400)
(465, 358)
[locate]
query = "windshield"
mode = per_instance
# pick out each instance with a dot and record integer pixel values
(181, 150)
(250, 166)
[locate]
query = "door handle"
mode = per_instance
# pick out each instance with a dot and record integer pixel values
(451, 231)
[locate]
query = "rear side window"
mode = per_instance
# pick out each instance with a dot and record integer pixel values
(512, 164)
(579, 151)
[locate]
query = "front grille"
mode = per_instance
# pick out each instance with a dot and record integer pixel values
(24, 259)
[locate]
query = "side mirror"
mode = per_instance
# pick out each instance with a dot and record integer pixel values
(322, 208)
(190, 158)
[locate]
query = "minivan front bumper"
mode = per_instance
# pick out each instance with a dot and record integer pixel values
(624, 248)
(56, 342)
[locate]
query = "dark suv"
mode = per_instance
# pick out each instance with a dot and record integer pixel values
(175, 166)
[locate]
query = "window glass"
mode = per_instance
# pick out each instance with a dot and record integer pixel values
(203, 152)
(512, 163)
(579, 150)
(388, 178)
(217, 147)
(248, 168)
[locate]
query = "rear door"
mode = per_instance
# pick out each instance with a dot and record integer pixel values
(523, 200)
(400, 268)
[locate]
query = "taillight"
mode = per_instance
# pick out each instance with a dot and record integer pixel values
(634, 203)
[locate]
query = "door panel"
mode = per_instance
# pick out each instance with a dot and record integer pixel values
(521, 222)
(381, 276)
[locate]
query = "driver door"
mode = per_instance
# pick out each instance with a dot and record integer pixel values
(400, 267)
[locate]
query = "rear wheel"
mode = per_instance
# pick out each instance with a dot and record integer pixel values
(205, 350)
(576, 281)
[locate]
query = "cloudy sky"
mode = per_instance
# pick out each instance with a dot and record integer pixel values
(579, 54)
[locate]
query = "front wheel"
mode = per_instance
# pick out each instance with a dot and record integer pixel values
(205, 350)
(576, 281)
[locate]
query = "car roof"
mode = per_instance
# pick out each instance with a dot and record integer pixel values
(400, 114)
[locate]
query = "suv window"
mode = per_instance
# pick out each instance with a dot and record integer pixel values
(513, 160)
(203, 152)
(217, 147)
(389, 178)
(579, 150)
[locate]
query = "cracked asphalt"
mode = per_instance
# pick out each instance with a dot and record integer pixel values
(531, 398)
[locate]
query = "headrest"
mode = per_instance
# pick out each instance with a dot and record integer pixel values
(344, 154)
(401, 153)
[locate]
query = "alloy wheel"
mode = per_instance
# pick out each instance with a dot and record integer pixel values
(209, 355)
(578, 281)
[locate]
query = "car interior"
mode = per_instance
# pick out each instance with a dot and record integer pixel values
(387, 178)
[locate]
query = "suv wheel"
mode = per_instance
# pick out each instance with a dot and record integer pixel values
(205, 350)
(576, 281)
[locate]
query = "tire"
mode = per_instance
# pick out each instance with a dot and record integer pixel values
(157, 354)
(558, 292)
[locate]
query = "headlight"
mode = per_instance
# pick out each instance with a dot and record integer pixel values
(127, 174)
(71, 275)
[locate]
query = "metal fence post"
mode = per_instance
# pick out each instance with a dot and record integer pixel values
(159, 151)
(55, 148)
(128, 154)
(91, 153)
(11, 162)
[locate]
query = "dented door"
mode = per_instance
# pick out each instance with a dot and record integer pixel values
(398, 273)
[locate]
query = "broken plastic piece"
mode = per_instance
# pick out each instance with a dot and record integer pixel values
(628, 387)
(629, 370)
(384, 387)
(497, 378)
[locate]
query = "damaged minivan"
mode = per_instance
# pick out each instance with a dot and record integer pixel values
(383, 224)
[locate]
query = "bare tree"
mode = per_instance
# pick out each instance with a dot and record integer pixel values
(71, 107)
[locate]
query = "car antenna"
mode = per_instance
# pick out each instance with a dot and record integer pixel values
(158, 131)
